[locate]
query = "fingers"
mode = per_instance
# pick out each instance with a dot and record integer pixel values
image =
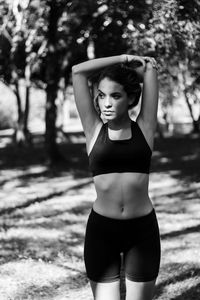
(131, 58)
(143, 59)
(152, 61)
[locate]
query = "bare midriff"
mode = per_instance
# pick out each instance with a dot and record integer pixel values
(122, 195)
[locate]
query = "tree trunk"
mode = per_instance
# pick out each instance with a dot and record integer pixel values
(27, 103)
(184, 89)
(27, 107)
(19, 136)
(22, 136)
(51, 113)
(52, 79)
(195, 122)
(19, 102)
(26, 115)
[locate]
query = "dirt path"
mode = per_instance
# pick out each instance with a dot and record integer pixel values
(44, 213)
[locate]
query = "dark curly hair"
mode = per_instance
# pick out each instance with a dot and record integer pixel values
(125, 75)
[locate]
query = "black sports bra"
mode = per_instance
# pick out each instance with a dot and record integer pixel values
(118, 156)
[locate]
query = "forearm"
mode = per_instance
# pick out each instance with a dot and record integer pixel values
(150, 74)
(90, 66)
(150, 87)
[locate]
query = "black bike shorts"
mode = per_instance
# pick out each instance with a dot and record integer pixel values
(135, 240)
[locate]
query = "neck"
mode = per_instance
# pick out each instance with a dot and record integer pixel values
(122, 122)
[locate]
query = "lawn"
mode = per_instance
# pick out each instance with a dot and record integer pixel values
(44, 212)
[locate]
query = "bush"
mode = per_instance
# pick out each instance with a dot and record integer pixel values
(6, 120)
(8, 109)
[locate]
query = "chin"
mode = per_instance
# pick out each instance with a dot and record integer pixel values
(108, 118)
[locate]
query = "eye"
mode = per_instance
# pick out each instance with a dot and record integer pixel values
(116, 96)
(101, 96)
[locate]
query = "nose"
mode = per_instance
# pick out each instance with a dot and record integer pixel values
(107, 102)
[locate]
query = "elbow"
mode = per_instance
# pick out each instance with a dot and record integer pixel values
(77, 70)
(74, 69)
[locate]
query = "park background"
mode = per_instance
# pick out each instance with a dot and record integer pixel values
(46, 188)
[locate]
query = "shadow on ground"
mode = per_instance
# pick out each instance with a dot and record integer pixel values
(178, 155)
(44, 212)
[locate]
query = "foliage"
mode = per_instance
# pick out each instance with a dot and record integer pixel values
(168, 30)
(6, 118)
(173, 37)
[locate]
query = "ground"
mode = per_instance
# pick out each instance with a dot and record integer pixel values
(44, 212)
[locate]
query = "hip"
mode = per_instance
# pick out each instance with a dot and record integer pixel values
(131, 229)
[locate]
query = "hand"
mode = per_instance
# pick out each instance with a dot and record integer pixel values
(142, 59)
(134, 58)
(151, 60)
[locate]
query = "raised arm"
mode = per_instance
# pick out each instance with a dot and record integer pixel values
(83, 98)
(147, 118)
(147, 74)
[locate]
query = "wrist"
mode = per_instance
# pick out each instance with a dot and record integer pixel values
(150, 66)
(123, 58)
(150, 63)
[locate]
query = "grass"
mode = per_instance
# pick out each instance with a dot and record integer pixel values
(44, 213)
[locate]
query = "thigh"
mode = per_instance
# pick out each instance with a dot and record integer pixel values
(101, 255)
(106, 291)
(142, 257)
(139, 290)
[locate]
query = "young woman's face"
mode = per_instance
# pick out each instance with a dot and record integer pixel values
(112, 99)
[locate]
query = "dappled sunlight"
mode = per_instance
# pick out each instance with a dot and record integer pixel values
(17, 192)
(178, 209)
(44, 213)
(35, 278)
(32, 234)
(4, 142)
(173, 190)
(164, 160)
(174, 274)
(161, 183)
(48, 237)
(185, 243)
(44, 229)
(177, 288)
(178, 156)
(46, 188)
(192, 156)
(173, 223)
(13, 173)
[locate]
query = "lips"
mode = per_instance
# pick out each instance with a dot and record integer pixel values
(108, 112)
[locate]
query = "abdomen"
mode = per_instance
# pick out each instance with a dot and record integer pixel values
(122, 195)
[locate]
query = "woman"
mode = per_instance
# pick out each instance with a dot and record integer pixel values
(122, 226)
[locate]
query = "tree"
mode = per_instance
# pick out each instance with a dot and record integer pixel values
(41, 40)
(175, 38)
(18, 37)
